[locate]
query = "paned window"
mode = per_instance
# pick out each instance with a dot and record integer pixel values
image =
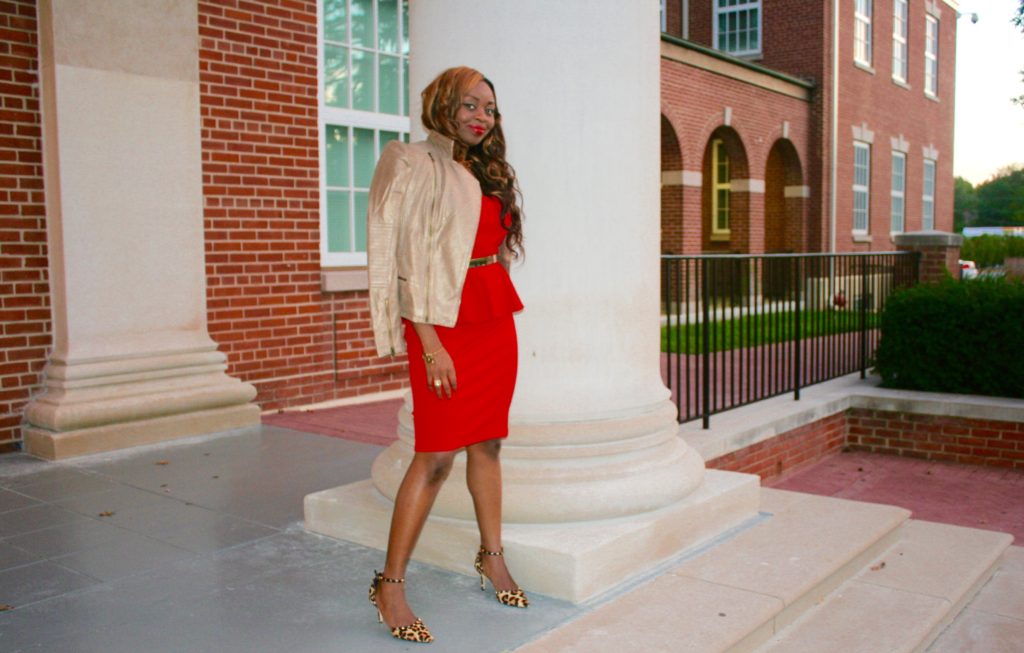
(738, 26)
(931, 55)
(861, 186)
(364, 103)
(928, 196)
(899, 40)
(899, 186)
(664, 17)
(720, 189)
(862, 32)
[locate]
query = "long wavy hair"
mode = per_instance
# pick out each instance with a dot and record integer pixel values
(486, 160)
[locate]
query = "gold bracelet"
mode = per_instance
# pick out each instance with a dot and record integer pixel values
(428, 357)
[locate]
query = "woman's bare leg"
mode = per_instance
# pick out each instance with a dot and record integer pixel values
(483, 476)
(416, 494)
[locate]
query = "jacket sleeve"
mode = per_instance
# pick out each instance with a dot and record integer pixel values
(384, 216)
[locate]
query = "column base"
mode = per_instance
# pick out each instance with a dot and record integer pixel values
(66, 444)
(575, 561)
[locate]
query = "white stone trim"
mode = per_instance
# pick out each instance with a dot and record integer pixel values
(797, 191)
(344, 280)
(929, 152)
(671, 177)
(747, 185)
(931, 7)
(785, 129)
(727, 116)
(900, 144)
(863, 133)
(681, 178)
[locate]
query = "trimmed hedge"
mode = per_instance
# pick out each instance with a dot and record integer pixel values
(961, 337)
(989, 250)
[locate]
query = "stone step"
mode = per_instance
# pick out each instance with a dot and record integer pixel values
(737, 594)
(994, 619)
(904, 598)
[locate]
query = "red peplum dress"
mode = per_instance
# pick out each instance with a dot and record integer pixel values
(483, 347)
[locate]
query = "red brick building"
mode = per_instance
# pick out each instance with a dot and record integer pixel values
(784, 128)
(836, 134)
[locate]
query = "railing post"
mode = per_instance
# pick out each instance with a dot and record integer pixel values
(797, 343)
(864, 317)
(705, 346)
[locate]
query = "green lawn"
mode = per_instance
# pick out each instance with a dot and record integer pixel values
(762, 329)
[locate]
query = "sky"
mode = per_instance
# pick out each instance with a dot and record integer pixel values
(989, 129)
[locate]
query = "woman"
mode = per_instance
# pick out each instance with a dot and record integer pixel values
(444, 225)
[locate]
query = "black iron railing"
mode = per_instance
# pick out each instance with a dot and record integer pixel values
(741, 328)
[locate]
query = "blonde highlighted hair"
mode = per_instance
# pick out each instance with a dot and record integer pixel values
(486, 160)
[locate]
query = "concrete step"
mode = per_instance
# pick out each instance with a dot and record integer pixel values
(993, 621)
(904, 598)
(736, 595)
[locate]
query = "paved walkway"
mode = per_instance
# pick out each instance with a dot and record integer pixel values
(197, 546)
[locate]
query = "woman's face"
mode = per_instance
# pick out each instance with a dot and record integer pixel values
(475, 116)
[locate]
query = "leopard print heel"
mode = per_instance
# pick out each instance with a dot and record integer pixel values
(513, 598)
(417, 631)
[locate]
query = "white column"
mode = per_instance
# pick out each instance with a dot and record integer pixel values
(132, 361)
(595, 474)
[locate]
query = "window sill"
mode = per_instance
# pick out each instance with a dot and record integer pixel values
(344, 279)
(930, 96)
(901, 83)
(721, 237)
(862, 238)
(864, 66)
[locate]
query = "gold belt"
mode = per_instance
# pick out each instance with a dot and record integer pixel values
(483, 260)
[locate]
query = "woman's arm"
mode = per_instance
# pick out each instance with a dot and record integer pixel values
(442, 368)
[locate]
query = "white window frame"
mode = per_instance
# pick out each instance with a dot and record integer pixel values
(900, 49)
(928, 198)
(718, 184)
(685, 8)
(664, 17)
(898, 194)
(740, 8)
(931, 56)
(862, 32)
(352, 119)
(863, 190)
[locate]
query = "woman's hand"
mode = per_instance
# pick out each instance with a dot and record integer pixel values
(441, 374)
(439, 364)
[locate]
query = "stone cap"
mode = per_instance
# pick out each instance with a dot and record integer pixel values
(928, 239)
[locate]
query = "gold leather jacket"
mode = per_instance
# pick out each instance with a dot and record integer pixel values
(424, 209)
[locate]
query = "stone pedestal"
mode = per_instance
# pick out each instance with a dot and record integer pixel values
(132, 361)
(597, 483)
(939, 252)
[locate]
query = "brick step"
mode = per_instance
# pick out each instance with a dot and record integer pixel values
(904, 598)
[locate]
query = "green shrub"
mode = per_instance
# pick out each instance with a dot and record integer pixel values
(962, 337)
(988, 250)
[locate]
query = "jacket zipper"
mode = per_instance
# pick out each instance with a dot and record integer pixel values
(435, 203)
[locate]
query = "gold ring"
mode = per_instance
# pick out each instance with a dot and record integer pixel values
(437, 383)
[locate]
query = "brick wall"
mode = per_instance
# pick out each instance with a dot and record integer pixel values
(25, 326)
(937, 437)
(867, 98)
(258, 90)
(788, 452)
(672, 194)
(941, 438)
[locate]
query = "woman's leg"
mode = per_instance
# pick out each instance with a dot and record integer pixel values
(416, 495)
(483, 476)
